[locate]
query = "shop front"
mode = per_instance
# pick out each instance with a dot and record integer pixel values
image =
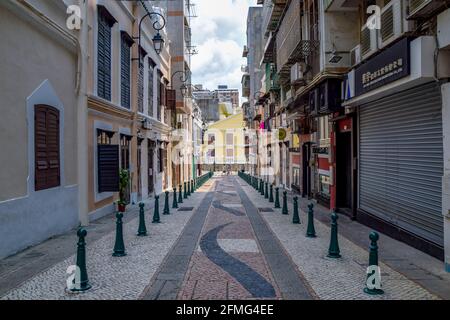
(400, 145)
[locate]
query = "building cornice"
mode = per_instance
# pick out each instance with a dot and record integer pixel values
(104, 106)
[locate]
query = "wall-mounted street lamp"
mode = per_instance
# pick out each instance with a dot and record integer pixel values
(183, 79)
(158, 40)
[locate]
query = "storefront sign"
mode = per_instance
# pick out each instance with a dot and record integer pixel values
(320, 150)
(388, 66)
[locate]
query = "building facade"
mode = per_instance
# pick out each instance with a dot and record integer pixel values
(40, 94)
(95, 98)
(224, 145)
(362, 109)
(128, 119)
(211, 102)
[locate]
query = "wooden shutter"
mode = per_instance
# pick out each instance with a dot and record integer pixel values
(125, 70)
(47, 157)
(104, 55)
(150, 87)
(171, 97)
(171, 104)
(108, 168)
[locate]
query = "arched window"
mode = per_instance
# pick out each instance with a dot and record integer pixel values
(46, 147)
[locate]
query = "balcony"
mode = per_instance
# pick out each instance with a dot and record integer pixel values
(245, 85)
(340, 5)
(245, 52)
(269, 50)
(271, 78)
(272, 12)
(291, 48)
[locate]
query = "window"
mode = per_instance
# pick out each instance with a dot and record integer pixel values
(151, 68)
(46, 147)
(229, 138)
(107, 162)
(105, 22)
(162, 157)
(141, 81)
(125, 70)
(230, 154)
(324, 128)
(158, 95)
(125, 151)
(211, 139)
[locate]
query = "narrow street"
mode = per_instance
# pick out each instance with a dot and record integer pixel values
(224, 242)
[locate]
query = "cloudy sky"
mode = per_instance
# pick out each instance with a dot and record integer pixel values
(219, 32)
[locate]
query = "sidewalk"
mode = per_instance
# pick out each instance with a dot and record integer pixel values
(406, 272)
(39, 272)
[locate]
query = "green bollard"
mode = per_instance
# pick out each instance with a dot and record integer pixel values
(266, 191)
(180, 195)
(119, 246)
(192, 186)
(261, 187)
(333, 250)
(174, 202)
(142, 230)
(311, 231)
(189, 188)
(83, 281)
(296, 217)
(156, 218)
(284, 210)
(166, 210)
(271, 194)
(277, 197)
(185, 191)
(373, 261)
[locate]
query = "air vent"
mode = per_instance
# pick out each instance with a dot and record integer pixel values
(355, 56)
(422, 9)
(387, 24)
(393, 22)
(368, 41)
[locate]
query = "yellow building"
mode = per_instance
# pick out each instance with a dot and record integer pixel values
(226, 144)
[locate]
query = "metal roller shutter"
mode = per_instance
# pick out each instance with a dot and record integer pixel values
(401, 160)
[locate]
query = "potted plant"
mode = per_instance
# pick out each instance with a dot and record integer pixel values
(124, 179)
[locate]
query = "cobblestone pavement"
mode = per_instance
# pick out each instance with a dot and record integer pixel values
(232, 245)
(115, 277)
(342, 278)
(229, 262)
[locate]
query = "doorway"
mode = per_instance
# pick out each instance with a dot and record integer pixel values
(344, 171)
(306, 169)
(151, 148)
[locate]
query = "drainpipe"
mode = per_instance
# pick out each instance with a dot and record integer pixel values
(82, 145)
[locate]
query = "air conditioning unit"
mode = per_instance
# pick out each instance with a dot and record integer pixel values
(297, 74)
(355, 55)
(369, 42)
(313, 102)
(393, 22)
(422, 9)
(329, 96)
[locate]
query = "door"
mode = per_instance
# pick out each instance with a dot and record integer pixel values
(344, 170)
(306, 170)
(125, 142)
(151, 171)
(401, 161)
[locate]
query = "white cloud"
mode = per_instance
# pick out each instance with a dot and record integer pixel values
(219, 32)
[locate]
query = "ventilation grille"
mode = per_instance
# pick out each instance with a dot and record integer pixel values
(365, 41)
(387, 24)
